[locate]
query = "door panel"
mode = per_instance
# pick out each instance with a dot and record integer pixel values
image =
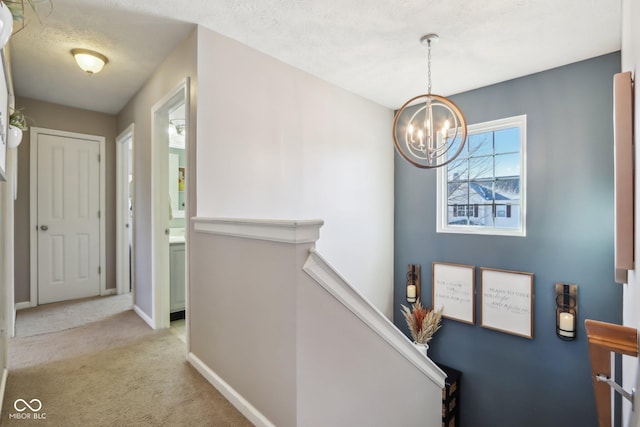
(68, 218)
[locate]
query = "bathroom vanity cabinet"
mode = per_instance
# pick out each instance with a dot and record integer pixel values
(177, 272)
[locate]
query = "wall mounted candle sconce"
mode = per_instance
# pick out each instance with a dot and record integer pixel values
(566, 311)
(413, 283)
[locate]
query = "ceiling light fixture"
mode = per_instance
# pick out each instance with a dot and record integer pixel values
(436, 130)
(178, 124)
(90, 61)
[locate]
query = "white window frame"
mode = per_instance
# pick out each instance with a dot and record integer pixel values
(442, 208)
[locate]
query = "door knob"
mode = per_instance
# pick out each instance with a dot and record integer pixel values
(126, 225)
(44, 228)
(167, 231)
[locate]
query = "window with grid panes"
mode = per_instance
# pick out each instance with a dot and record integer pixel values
(482, 191)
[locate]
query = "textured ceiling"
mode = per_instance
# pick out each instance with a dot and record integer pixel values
(43, 67)
(365, 46)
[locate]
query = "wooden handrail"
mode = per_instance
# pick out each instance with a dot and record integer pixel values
(604, 338)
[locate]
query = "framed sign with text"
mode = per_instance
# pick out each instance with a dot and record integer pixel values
(507, 301)
(453, 289)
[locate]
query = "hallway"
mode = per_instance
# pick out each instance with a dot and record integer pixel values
(63, 315)
(113, 371)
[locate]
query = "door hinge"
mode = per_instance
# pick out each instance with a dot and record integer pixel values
(98, 158)
(99, 270)
(99, 214)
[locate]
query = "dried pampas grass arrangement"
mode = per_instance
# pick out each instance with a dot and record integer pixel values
(422, 322)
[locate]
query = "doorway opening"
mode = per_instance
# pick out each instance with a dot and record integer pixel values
(124, 211)
(170, 133)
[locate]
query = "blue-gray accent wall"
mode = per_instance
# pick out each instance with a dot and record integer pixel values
(508, 380)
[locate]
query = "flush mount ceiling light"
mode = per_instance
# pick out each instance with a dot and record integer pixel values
(90, 61)
(429, 130)
(178, 124)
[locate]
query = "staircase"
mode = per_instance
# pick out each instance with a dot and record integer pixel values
(289, 342)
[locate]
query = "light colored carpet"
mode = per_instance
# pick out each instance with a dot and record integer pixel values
(69, 314)
(179, 328)
(114, 372)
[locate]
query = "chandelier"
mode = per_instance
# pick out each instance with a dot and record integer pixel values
(435, 131)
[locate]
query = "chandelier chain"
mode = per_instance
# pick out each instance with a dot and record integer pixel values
(429, 66)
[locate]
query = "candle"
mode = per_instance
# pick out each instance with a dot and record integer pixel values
(567, 328)
(429, 124)
(411, 291)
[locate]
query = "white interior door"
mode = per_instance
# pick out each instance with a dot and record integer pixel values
(68, 218)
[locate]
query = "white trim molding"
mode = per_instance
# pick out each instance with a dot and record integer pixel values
(124, 253)
(235, 398)
(3, 387)
(144, 316)
(322, 272)
(283, 231)
(23, 305)
(442, 194)
(103, 212)
(160, 288)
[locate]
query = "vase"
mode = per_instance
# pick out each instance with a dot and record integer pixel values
(422, 347)
(14, 137)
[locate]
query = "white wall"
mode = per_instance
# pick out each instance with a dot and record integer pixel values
(353, 368)
(242, 311)
(276, 142)
(631, 305)
(180, 63)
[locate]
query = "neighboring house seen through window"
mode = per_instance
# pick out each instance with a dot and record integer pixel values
(482, 190)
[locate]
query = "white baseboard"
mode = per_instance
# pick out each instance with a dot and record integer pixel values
(3, 385)
(23, 305)
(239, 402)
(143, 315)
(111, 291)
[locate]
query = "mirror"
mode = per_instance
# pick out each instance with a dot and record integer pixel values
(177, 160)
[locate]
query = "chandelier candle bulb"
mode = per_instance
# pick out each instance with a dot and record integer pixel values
(429, 133)
(445, 129)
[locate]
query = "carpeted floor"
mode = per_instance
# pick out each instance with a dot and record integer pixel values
(113, 372)
(69, 314)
